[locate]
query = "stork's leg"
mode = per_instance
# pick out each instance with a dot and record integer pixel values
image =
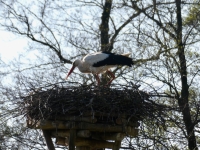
(97, 78)
(112, 75)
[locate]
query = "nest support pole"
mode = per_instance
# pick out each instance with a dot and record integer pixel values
(82, 148)
(86, 117)
(79, 136)
(72, 138)
(74, 142)
(47, 136)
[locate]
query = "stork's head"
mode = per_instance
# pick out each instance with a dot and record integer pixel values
(74, 65)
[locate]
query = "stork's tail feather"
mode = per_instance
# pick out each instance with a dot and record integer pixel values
(126, 61)
(123, 60)
(126, 54)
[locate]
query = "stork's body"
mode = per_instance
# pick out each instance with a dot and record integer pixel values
(101, 62)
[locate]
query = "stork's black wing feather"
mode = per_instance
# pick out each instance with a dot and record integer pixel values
(114, 59)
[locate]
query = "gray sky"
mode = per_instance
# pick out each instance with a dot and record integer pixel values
(11, 45)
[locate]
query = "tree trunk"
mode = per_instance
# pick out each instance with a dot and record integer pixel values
(183, 101)
(104, 27)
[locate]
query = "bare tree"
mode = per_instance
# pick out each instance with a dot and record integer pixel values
(171, 27)
(162, 40)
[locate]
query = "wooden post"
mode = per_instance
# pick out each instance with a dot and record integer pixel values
(84, 133)
(108, 136)
(117, 145)
(82, 148)
(72, 138)
(65, 133)
(92, 143)
(47, 136)
(61, 141)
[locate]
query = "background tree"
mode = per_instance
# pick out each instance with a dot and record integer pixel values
(161, 35)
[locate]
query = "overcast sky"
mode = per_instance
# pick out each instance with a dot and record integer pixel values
(11, 45)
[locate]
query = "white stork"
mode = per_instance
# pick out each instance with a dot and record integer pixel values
(101, 62)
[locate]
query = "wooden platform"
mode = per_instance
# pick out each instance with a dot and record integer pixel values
(86, 132)
(86, 117)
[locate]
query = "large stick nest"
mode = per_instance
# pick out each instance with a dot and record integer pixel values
(54, 102)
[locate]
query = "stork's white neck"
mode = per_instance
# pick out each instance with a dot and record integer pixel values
(83, 67)
(77, 62)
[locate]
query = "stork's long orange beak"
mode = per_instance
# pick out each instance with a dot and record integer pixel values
(71, 70)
